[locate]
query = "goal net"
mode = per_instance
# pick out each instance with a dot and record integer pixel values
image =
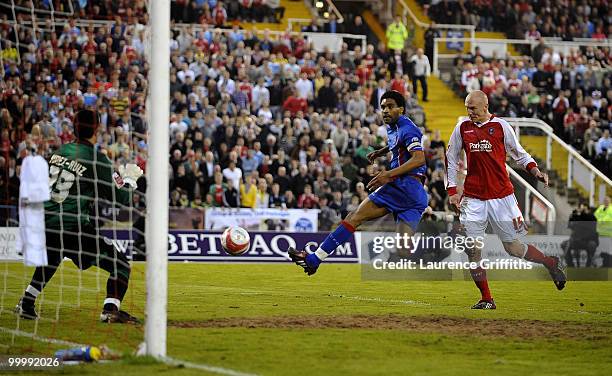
(57, 61)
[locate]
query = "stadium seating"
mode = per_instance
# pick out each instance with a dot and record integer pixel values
(533, 18)
(257, 114)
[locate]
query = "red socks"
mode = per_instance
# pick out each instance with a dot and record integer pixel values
(479, 275)
(535, 255)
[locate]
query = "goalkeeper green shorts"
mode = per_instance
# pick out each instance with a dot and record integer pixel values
(85, 248)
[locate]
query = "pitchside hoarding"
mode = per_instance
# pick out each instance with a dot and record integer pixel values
(271, 246)
(202, 246)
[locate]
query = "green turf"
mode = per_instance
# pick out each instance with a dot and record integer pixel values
(200, 292)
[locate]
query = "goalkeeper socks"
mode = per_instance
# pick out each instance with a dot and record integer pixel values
(112, 304)
(535, 255)
(479, 275)
(42, 274)
(116, 288)
(30, 295)
(341, 234)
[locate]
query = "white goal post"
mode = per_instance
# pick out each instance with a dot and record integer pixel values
(157, 192)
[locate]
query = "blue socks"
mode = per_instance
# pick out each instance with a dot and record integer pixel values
(340, 235)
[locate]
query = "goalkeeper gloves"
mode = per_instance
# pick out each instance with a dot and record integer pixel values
(128, 174)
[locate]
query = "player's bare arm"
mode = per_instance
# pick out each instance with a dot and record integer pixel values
(453, 152)
(541, 176)
(384, 177)
(377, 154)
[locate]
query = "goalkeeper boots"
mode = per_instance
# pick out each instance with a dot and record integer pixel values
(557, 274)
(118, 317)
(301, 259)
(484, 304)
(26, 310)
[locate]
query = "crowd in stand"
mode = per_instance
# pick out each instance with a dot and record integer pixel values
(256, 121)
(212, 12)
(528, 18)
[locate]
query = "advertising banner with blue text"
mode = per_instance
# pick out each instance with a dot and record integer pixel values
(194, 245)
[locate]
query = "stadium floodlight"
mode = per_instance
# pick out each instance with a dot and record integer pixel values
(157, 195)
(319, 4)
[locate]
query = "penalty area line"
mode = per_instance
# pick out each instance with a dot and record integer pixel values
(204, 367)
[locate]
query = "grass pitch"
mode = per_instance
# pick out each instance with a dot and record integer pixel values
(274, 320)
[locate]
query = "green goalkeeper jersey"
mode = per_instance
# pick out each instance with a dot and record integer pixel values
(78, 176)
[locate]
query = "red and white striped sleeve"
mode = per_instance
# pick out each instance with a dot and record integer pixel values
(453, 156)
(514, 148)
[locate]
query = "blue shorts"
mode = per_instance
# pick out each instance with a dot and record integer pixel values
(405, 198)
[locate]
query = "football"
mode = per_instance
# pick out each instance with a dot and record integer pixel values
(235, 240)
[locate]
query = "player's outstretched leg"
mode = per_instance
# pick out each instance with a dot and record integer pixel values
(532, 254)
(26, 307)
(310, 262)
(552, 263)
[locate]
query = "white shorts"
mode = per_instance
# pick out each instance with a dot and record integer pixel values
(503, 214)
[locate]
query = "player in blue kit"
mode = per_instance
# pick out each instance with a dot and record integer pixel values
(398, 190)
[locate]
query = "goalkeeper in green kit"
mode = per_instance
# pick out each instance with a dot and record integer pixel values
(79, 176)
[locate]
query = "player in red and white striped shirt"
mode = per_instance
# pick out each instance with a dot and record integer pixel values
(488, 194)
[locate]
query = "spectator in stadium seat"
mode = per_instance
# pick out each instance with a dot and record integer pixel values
(276, 12)
(217, 190)
(356, 27)
(604, 145)
(249, 163)
(293, 104)
(559, 107)
(290, 201)
(302, 179)
(357, 106)
(338, 203)
(332, 25)
(232, 173)
(327, 97)
(283, 181)
(362, 151)
(307, 200)
(398, 84)
(377, 94)
(327, 216)
(262, 199)
(277, 199)
(591, 138)
(313, 27)
(339, 182)
(219, 14)
(185, 181)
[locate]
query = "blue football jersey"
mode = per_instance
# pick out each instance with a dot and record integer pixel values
(404, 138)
